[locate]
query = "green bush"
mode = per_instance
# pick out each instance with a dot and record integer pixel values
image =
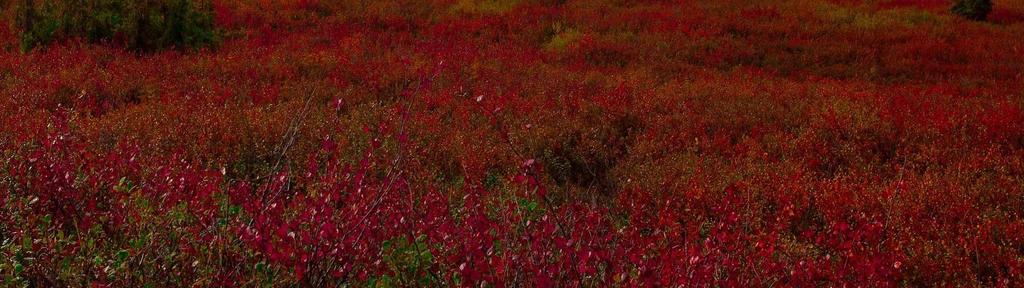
(136, 24)
(973, 9)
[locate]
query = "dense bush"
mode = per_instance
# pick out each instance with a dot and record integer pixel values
(533, 143)
(136, 24)
(973, 9)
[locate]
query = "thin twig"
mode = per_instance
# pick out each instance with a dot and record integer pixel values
(396, 164)
(288, 140)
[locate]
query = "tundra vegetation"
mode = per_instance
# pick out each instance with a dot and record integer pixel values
(511, 143)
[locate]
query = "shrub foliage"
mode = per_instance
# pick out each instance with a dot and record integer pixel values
(519, 143)
(973, 9)
(136, 24)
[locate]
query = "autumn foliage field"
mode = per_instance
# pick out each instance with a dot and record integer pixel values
(521, 143)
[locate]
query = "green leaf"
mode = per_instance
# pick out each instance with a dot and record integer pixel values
(122, 255)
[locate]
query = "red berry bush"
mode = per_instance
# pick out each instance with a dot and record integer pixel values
(522, 144)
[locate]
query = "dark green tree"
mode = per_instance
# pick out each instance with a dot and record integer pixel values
(136, 24)
(976, 10)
